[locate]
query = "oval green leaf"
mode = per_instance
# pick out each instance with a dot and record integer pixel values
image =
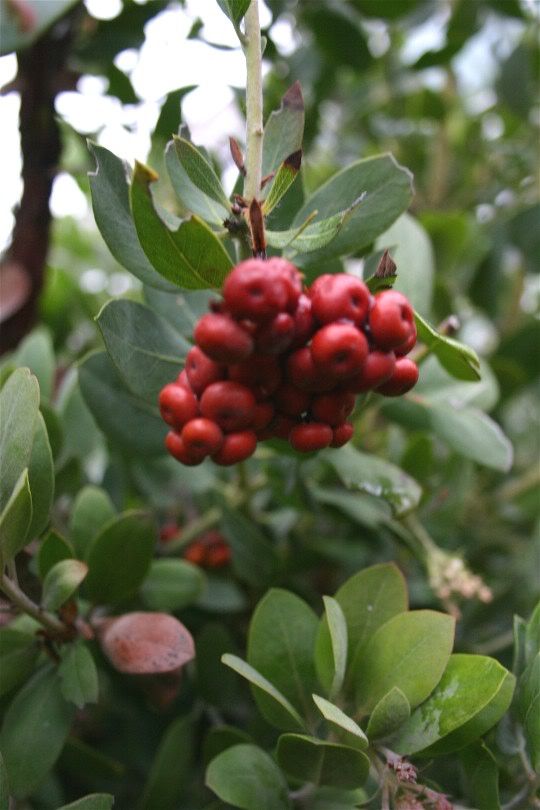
(309, 759)
(61, 582)
(172, 585)
(245, 776)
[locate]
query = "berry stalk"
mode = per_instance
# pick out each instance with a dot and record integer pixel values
(254, 103)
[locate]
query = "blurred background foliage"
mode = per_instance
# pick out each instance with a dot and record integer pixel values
(463, 116)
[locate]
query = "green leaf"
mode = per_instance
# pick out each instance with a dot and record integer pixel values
(482, 775)
(368, 599)
(171, 767)
(146, 350)
(4, 785)
(331, 647)
(36, 352)
(278, 711)
(119, 558)
(376, 477)
(15, 37)
(472, 695)
(392, 710)
(409, 651)
(203, 181)
(52, 549)
(222, 596)
(254, 559)
(459, 360)
(128, 422)
(79, 675)
(472, 434)
(234, 9)
(388, 191)
(35, 728)
(284, 178)
(92, 509)
(532, 635)
(281, 643)
(95, 801)
(245, 776)
(191, 197)
(411, 249)
(61, 582)
(190, 256)
(528, 708)
(18, 652)
(323, 763)
(172, 585)
(350, 732)
(19, 402)
(110, 200)
(437, 385)
(41, 478)
(212, 643)
(15, 519)
(284, 130)
(311, 236)
(219, 738)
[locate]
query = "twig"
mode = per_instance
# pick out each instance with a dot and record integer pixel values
(26, 605)
(254, 103)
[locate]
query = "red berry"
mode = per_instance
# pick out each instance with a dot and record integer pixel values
(195, 553)
(309, 437)
(408, 345)
(391, 319)
(303, 373)
(201, 371)
(202, 436)
(333, 408)
(292, 401)
(218, 555)
(260, 373)
(338, 296)
(342, 434)
(229, 404)
(263, 415)
(304, 322)
(176, 447)
(183, 380)
(177, 405)
(378, 368)
(252, 291)
(236, 447)
(277, 335)
(222, 339)
(339, 349)
(279, 267)
(404, 378)
(168, 531)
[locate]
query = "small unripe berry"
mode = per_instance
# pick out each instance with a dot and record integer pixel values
(339, 296)
(339, 349)
(222, 339)
(342, 434)
(202, 436)
(236, 447)
(201, 371)
(378, 368)
(391, 319)
(176, 447)
(177, 405)
(332, 408)
(404, 378)
(229, 404)
(311, 436)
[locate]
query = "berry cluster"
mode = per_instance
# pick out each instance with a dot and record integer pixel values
(275, 360)
(210, 550)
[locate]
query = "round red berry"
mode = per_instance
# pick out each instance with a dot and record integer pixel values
(292, 401)
(304, 322)
(252, 291)
(342, 434)
(408, 345)
(222, 339)
(303, 373)
(177, 405)
(339, 349)
(195, 553)
(176, 447)
(263, 415)
(168, 531)
(291, 277)
(201, 371)
(261, 373)
(183, 380)
(338, 296)
(311, 436)
(236, 447)
(202, 436)
(391, 319)
(333, 408)
(378, 368)
(277, 335)
(229, 404)
(404, 378)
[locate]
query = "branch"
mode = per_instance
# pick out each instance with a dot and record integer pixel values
(254, 104)
(26, 605)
